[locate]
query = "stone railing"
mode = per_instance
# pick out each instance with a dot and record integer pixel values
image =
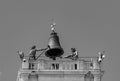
(83, 63)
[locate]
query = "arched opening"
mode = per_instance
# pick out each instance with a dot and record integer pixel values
(75, 66)
(89, 76)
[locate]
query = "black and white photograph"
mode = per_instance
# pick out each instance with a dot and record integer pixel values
(59, 40)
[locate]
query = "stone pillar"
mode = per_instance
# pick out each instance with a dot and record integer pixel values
(77, 65)
(70, 66)
(60, 66)
(65, 65)
(41, 65)
(81, 65)
(25, 64)
(96, 65)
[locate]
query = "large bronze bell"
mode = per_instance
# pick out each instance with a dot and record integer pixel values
(55, 49)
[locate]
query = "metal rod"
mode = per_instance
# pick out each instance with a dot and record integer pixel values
(42, 53)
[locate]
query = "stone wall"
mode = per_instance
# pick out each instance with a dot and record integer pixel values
(83, 69)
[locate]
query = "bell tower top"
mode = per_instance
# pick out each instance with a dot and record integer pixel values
(65, 68)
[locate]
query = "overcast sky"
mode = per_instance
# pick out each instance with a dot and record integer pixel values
(88, 25)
